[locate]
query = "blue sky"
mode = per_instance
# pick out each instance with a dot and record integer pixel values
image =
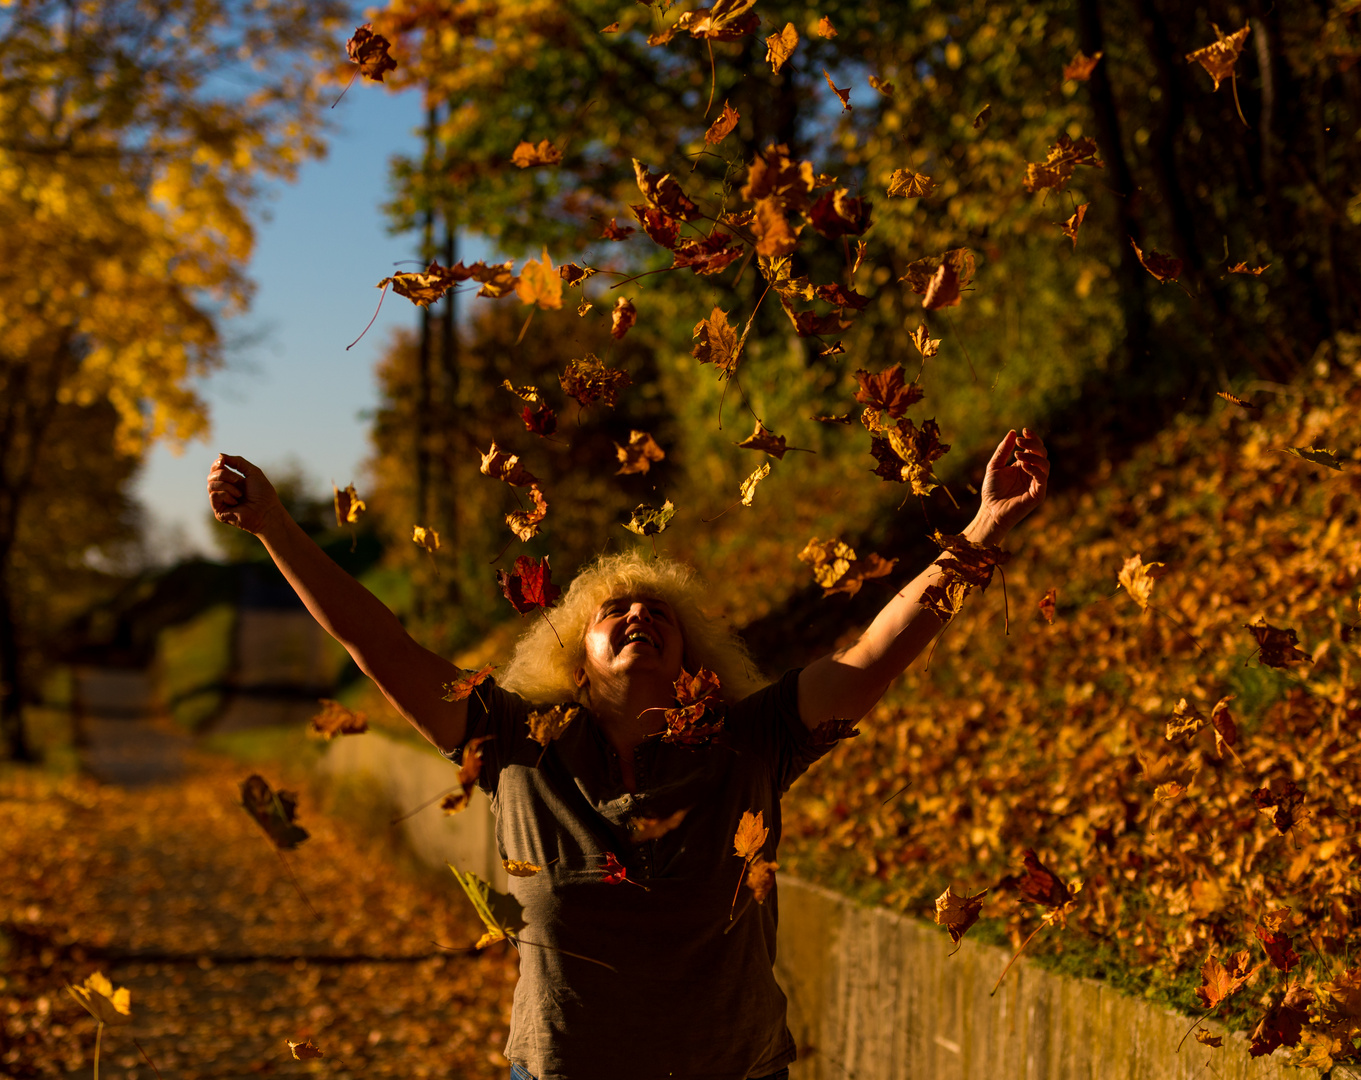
(292, 395)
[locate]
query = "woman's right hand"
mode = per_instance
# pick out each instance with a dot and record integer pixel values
(241, 495)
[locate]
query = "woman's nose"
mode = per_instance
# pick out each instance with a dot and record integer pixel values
(639, 611)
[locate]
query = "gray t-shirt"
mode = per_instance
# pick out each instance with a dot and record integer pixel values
(688, 1001)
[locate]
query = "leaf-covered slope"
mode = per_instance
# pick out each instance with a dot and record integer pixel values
(1054, 737)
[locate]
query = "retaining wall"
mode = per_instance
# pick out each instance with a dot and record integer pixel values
(874, 995)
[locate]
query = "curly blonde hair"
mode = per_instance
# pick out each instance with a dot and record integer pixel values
(542, 671)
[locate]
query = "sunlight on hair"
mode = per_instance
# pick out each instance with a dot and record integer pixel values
(542, 671)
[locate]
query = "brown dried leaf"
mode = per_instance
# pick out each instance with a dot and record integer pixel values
(638, 456)
(527, 155)
(335, 719)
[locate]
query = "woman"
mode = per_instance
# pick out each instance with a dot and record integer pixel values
(683, 984)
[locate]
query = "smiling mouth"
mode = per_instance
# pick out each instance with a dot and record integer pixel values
(641, 635)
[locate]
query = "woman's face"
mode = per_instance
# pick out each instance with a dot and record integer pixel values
(630, 636)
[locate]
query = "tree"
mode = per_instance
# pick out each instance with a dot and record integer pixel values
(1076, 332)
(133, 137)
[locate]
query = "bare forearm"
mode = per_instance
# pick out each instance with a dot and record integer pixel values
(848, 682)
(410, 676)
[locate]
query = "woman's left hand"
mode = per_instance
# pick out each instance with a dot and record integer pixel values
(1011, 490)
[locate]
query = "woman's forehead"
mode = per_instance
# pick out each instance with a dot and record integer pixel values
(632, 597)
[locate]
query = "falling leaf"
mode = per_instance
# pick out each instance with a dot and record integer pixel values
(468, 772)
(1040, 885)
(370, 52)
(780, 47)
(1064, 157)
(775, 237)
(461, 689)
(637, 457)
(834, 349)
(527, 155)
(1276, 645)
(501, 914)
(844, 418)
(697, 696)
(926, 345)
(1283, 799)
(889, 391)
(1326, 458)
(1163, 267)
(426, 286)
(1233, 399)
(1282, 1023)
(883, 86)
(958, 913)
(1204, 1037)
(542, 421)
(530, 586)
(1226, 731)
(539, 283)
(1081, 66)
(943, 290)
(906, 454)
(622, 317)
(774, 174)
(1071, 226)
(273, 811)
(98, 997)
(661, 228)
(335, 719)
(650, 520)
(303, 1051)
(750, 836)
(653, 828)
(348, 505)
(547, 725)
(588, 381)
(748, 491)
(572, 274)
(525, 523)
(1220, 981)
(1048, 605)
(825, 28)
(519, 868)
(1271, 932)
(613, 28)
(612, 230)
(1219, 58)
(426, 538)
(760, 878)
(762, 439)
(499, 465)
(829, 559)
(664, 193)
(981, 120)
(919, 273)
(837, 213)
(1186, 720)
(1136, 577)
(721, 128)
(843, 96)
(909, 184)
(613, 872)
(1244, 268)
(717, 342)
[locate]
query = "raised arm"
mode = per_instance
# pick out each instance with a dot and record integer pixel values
(849, 682)
(411, 677)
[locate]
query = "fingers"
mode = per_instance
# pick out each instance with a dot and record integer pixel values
(236, 464)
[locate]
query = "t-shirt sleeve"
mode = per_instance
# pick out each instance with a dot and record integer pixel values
(501, 718)
(768, 723)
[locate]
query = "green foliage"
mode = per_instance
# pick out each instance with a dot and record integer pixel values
(193, 660)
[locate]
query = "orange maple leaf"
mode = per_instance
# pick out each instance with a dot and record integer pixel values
(461, 689)
(335, 719)
(717, 342)
(1081, 66)
(637, 457)
(527, 155)
(843, 96)
(525, 523)
(1064, 157)
(1219, 57)
(370, 52)
(1163, 267)
(622, 317)
(780, 47)
(750, 836)
(539, 283)
(721, 128)
(1221, 981)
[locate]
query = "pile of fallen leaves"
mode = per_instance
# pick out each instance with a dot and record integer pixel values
(1182, 738)
(175, 894)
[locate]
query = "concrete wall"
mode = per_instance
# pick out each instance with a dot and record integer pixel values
(874, 995)
(411, 775)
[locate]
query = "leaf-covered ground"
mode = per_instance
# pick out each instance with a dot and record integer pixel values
(174, 892)
(1055, 737)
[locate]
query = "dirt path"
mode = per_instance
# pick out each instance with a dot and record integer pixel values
(171, 890)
